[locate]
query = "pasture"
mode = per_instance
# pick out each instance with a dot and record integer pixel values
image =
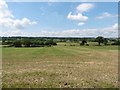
(60, 66)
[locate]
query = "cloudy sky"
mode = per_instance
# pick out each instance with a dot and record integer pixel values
(61, 19)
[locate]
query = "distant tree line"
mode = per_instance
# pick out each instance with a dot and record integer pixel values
(29, 43)
(51, 41)
(100, 40)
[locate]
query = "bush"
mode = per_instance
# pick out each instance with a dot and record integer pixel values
(116, 42)
(26, 43)
(105, 41)
(34, 44)
(54, 43)
(17, 43)
(87, 44)
(83, 42)
(46, 43)
(41, 43)
(50, 42)
(7, 42)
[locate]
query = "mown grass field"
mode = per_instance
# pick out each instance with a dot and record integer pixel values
(60, 66)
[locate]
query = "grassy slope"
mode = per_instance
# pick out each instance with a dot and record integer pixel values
(60, 66)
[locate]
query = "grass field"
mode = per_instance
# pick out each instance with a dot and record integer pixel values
(60, 66)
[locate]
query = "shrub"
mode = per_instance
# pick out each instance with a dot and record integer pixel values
(46, 43)
(34, 44)
(17, 43)
(26, 43)
(117, 42)
(105, 41)
(54, 43)
(41, 43)
(83, 42)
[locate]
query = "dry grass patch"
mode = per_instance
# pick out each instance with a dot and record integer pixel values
(60, 66)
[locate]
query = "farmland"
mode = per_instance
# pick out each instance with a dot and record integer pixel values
(60, 66)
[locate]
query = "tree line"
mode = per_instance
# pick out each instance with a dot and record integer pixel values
(51, 41)
(100, 40)
(29, 43)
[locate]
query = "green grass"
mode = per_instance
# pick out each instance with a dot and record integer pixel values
(60, 66)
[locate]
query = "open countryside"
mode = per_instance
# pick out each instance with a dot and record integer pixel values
(66, 64)
(59, 44)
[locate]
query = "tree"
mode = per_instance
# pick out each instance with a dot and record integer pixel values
(117, 42)
(34, 43)
(17, 43)
(83, 42)
(47, 43)
(26, 43)
(105, 41)
(100, 40)
(54, 43)
(50, 42)
(41, 43)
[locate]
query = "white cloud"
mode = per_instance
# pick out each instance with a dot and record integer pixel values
(80, 24)
(79, 17)
(14, 26)
(105, 15)
(111, 31)
(84, 7)
(22, 23)
(4, 11)
(80, 9)
(8, 21)
(115, 26)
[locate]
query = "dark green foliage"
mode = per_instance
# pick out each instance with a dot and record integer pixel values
(46, 43)
(3, 42)
(100, 40)
(117, 42)
(17, 43)
(105, 41)
(83, 42)
(8, 43)
(35, 43)
(41, 42)
(54, 43)
(49, 41)
(26, 43)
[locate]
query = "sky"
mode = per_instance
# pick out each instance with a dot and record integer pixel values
(59, 19)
